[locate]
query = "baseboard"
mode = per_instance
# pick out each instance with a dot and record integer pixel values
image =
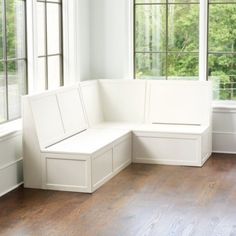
(165, 162)
(12, 188)
(224, 142)
(223, 152)
(11, 176)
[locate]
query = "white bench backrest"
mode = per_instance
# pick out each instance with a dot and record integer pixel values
(57, 115)
(123, 100)
(72, 111)
(179, 102)
(92, 102)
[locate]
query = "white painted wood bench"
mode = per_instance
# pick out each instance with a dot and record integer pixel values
(77, 138)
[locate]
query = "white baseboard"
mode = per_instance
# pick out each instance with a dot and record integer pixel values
(11, 176)
(224, 142)
(10, 189)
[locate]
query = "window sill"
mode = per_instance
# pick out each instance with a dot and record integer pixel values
(224, 106)
(10, 128)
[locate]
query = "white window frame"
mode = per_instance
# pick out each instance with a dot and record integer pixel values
(70, 36)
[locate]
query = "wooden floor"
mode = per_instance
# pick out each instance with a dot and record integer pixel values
(141, 200)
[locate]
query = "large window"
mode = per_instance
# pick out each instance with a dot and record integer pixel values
(49, 29)
(13, 82)
(167, 45)
(166, 39)
(222, 48)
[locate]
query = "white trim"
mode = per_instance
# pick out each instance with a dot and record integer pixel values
(12, 188)
(31, 44)
(10, 129)
(11, 163)
(131, 38)
(226, 133)
(203, 18)
(223, 152)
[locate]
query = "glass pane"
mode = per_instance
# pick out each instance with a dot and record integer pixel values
(183, 27)
(1, 30)
(150, 65)
(15, 12)
(164, 1)
(222, 71)
(41, 28)
(150, 1)
(183, 66)
(54, 71)
(57, 1)
(16, 87)
(3, 103)
(54, 28)
(150, 28)
(183, 1)
(222, 1)
(222, 28)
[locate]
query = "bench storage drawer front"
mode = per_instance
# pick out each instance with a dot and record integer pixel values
(122, 154)
(101, 168)
(66, 173)
(166, 149)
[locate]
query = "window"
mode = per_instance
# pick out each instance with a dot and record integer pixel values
(49, 46)
(166, 39)
(222, 48)
(167, 45)
(13, 68)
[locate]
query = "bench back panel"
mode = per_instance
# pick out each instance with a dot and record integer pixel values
(72, 111)
(57, 115)
(47, 119)
(92, 102)
(179, 102)
(123, 100)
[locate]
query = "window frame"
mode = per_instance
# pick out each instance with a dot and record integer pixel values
(203, 39)
(47, 55)
(6, 59)
(167, 51)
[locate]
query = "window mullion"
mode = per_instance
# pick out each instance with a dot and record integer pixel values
(4, 25)
(46, 47)
(167, 32)
(203, 40)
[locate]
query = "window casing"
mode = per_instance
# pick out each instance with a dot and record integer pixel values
(13, 63)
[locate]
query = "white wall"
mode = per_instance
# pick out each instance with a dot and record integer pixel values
(110, 41)
(83, 36)
(76, 19)
(224, 130)
(10, 162)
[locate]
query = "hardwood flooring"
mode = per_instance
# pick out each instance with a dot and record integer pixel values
(143, 200)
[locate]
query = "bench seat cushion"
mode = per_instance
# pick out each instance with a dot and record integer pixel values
(88, 142)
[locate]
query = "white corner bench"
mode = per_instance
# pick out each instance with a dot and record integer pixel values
(77, 138)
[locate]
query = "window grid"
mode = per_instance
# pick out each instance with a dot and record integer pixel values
(167, 51)
(224, 90)
(47, 55)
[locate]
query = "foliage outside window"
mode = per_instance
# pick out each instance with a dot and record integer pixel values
(13, 82)
(222, 48)
(166, 39)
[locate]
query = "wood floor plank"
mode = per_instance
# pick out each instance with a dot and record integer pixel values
(143, 200)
